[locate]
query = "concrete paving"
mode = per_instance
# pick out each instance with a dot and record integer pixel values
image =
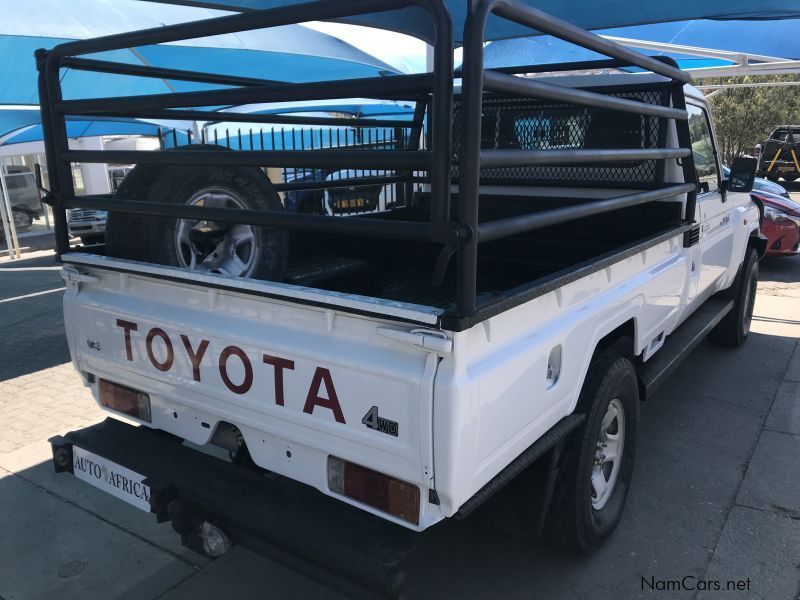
(715, 496)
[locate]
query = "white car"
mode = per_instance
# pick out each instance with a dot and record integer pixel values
(87, 224)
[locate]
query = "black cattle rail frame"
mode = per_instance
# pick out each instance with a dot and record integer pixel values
(459, 233)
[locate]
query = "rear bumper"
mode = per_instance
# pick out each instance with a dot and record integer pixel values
(344, 547)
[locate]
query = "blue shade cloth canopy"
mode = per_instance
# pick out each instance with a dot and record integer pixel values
(779, 39)
(589, 14)
(19, 125)
(290, 53)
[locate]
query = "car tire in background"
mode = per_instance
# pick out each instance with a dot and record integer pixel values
(22, 220)
(597, 462)
(206, 246)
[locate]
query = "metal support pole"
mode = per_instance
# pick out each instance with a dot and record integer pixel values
(687, 162)
(55, 141)
(12, 243)
(470, 166)
(45, 207)
(441, 114)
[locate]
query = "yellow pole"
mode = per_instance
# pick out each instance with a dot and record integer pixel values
(774, 160)
(796, 164)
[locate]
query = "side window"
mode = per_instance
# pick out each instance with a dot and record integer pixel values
(705, 162)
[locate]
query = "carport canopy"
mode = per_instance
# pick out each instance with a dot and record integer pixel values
(694, 44)
(588, 14)
(289, 53)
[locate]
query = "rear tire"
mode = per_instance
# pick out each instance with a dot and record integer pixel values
(592, 484)
(235, 250)
(22, 220)
(734, 328)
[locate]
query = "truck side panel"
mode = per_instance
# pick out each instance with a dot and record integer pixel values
(493, 399)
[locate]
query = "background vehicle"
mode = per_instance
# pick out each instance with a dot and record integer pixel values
(761, 184)
(780, 154)
(572, 242)
(24, 196)
(89, 224)
(350, 200)
(335, 199)
(781, 224)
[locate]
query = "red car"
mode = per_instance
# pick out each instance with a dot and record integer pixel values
(781, 224)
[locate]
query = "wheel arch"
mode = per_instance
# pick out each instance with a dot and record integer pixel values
(612, 336)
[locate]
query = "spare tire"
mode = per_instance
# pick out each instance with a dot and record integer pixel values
(206, 246)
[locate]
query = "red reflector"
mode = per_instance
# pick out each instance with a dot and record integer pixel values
(125, 400)
(380, 491)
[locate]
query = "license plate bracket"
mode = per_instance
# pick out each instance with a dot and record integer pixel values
(110, 477)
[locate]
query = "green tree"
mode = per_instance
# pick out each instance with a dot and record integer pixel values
(744, 117)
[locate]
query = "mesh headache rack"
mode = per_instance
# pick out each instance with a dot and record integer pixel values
(466, 159)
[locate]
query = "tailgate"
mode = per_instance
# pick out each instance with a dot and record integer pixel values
(302, 377)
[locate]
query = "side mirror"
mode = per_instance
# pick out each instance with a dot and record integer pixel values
(743, 174)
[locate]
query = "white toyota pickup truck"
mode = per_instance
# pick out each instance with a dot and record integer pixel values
(561, 243)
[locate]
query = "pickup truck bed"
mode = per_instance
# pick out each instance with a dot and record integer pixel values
(404, 272)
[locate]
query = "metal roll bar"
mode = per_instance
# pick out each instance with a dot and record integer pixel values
(363, 159)
(477, 80)
(500, 228)
(513, 158)
(501, 82)
(407, 230)
(405, 86)
(276, 119)
(460, 231)
(105, 66)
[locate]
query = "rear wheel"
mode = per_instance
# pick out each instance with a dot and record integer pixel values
(22, 220)
(734, 328)
(592, 484)
(200, 245)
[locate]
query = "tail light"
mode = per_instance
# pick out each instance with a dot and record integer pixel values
(125, 400)
(387, 494)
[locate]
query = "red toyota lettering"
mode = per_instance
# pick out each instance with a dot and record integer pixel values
(244, 387)
(279, 365)
(151, 335)
(127, 327)
(195, 356)
(331, 402)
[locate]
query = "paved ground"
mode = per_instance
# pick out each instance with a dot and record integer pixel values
(716, 493)
(39, 237)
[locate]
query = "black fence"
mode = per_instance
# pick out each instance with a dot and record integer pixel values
(316, 191)
(456, 228)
